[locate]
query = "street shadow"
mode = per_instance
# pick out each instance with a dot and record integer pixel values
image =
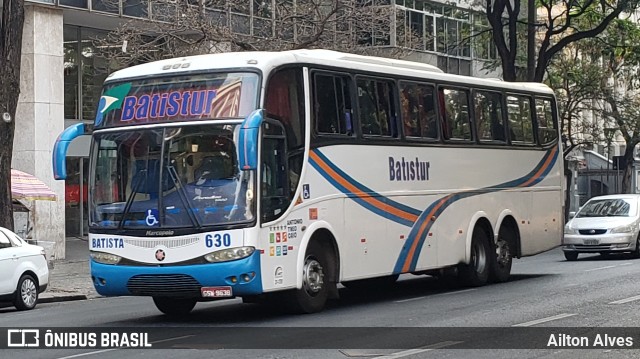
(595, 257)
(228, 313)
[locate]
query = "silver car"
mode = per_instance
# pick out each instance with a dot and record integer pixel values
(604, 225)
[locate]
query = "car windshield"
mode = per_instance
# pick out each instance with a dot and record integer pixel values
(612, 207)
(170, 177)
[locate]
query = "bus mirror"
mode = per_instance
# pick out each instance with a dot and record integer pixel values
(62, 146)
(248, 141)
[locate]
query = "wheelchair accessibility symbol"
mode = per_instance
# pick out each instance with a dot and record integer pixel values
(152, 218)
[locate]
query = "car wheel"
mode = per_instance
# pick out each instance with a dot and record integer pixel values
(26, 293)
(174, 306)
(571, 256)
(636, 251)
(476, 273)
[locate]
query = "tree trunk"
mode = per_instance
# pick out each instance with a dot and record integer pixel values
(627, 162)
(11, 49)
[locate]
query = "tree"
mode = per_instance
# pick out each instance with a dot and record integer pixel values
(562, 24)
(11, 49)
(600, 76)
(196, 27)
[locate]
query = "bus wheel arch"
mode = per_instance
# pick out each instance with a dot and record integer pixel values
(507, 246)
(475, 270)
(318, 268)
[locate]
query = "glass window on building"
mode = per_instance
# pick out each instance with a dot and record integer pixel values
(110, 6)
(71, 66)
(135, 8)
(84, 73)
(75, 3)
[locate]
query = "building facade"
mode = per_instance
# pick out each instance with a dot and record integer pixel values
(61, 76)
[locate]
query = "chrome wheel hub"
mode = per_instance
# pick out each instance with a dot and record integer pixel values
(29, 293)
(479, 258)
(312, 276)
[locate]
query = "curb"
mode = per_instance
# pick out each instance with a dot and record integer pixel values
(62, 298)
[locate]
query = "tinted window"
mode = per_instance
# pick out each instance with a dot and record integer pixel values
(520, 121)
(284, 101)
(488, 114)
(375, 105)
(418, 110)
(455, 110)
(547, 132)
(332, 106)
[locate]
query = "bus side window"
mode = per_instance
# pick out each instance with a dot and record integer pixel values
(376, 108)
(418, 112)
(488, 115)
(547, 132)
(456, 114)
(332, 105)
(520, 121)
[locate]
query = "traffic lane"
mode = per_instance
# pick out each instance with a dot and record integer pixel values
(439, 302)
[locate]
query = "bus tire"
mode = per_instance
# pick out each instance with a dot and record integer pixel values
(174, 306)
(476, 273)
(313, 295)
(502, 261)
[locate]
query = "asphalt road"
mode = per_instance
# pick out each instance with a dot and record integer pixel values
(589, 295)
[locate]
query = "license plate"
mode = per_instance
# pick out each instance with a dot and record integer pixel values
(591, 242)
(216, 292)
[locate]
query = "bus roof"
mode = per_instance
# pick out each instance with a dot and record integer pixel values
(265, 61)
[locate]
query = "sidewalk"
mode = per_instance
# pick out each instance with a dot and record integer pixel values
(70, 279)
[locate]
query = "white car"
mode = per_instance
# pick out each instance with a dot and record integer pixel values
(605, 224)
(24, 273)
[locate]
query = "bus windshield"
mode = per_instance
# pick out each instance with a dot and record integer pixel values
(171, 177)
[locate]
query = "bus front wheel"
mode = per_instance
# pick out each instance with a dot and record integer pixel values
(476, 273)
(174, 306)
(312, 297)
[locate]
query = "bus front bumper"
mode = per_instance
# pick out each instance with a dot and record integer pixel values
(242, 276)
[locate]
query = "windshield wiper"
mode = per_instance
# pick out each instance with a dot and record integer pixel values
(182, 193)
(134, 192)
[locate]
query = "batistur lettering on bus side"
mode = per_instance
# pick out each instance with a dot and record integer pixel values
(403, 170)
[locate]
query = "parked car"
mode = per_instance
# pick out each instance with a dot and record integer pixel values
(605, 224)
(24, 273)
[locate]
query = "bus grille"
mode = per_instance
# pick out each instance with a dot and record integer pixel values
(167, 242)
(168, 285)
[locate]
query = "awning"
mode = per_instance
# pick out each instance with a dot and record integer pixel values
(27, 187)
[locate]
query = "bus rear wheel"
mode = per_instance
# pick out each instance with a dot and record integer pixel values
(174, 306)
(476, 273)
(312, 297)
(501, 263)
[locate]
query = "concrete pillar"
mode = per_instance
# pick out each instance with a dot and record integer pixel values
(40, 116)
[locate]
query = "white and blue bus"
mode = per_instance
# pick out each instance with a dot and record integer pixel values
(286, 174)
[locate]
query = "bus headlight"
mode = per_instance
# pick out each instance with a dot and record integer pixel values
(229, 254)
(105, 258)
